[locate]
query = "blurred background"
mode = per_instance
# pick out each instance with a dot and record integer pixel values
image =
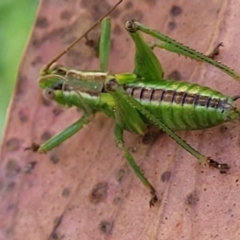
(16, 20)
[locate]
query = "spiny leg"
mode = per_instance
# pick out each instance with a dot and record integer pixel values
(121, 95)
(174, 46)
(118, 134)
(214, 52)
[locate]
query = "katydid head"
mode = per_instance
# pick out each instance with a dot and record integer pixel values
(51, 76)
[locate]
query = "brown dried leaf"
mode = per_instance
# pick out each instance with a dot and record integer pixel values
(84, 189)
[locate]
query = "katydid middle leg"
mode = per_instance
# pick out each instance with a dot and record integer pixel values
(118, 134)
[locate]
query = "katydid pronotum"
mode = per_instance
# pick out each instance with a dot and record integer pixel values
(139, 99)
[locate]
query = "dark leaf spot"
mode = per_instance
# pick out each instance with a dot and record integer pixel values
(175, 11)
(192, 199)
(150, 136)
(10, 207)
(21, 85)
(57, 222)
(223, 129)
(99, 193)
(36, 43)
(115, 13)
(10, 186)
(66, 192)
(151, 2)
(23, 116)
(129, 5)
(57, 111)
(12, 168)
(13, 144)
(59, 33)
(166, 176)
(117, 29)
(45, 136)
(37, 60)
(54, 159)
(174, 75)
(106, 227)
(65, 15)
(30, 166)
(42, 22)
(117, 200)
(172, 25)
(54, 236)
(121, 174)
(97, 10)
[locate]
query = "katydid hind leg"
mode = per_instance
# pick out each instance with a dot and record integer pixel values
(122, 96)
(172, 45)
(147, 65)
(118, 134)
(169, 47)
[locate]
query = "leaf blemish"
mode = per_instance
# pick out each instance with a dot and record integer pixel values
(98, 193)
(13, 144)
(106, 227)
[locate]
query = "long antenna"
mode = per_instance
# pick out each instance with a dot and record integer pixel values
(80, 38)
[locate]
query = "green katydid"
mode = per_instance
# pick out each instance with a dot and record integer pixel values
(139, 99)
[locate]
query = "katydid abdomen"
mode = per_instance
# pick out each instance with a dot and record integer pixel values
(184, 106)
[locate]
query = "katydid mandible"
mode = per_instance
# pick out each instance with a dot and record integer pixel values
(139, 99)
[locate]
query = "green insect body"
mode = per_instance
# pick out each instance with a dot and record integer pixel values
(180, 105)
(139, 99)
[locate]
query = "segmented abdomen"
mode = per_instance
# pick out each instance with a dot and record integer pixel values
(182, 105)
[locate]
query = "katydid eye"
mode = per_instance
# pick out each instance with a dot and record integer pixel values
(48, 94)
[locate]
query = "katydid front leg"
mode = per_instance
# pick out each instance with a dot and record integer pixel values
(64, 135)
